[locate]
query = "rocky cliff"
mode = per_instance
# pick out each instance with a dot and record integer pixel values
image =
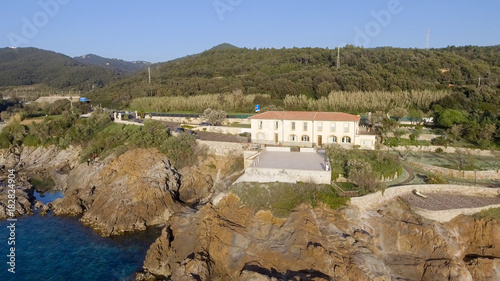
(226, 241)
(209, 235)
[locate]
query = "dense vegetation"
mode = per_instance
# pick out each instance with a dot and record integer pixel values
(99, 135)
(30, 66)
(364, 168)
(311, 72)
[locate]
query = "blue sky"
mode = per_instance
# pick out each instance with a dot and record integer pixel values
(161, 30)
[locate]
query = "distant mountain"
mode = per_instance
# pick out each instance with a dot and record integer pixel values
(124, 67)
(32, 66)
(224, 47)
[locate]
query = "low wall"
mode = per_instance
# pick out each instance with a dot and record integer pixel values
(448, 215)
(432, 148)
(193, 120)
(375, 200)
(223, 148)
(277, 149)
(253, 174)
(223, 130)
(470, 175)
(128, 122)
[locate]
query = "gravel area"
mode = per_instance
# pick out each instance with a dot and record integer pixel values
(436, 202)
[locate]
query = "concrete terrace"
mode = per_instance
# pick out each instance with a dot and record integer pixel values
(310, 161)
(280, 164)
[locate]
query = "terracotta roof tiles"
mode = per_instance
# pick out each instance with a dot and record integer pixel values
(307, 115)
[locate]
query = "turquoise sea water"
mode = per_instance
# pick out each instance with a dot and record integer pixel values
(61, 248)
(49, 196)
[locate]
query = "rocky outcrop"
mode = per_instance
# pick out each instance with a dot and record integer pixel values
(129, 193)
(227, 241)
(24, 198)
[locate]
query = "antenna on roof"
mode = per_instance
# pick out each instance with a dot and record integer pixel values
(427, 41)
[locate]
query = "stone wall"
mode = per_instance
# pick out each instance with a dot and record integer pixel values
(480, 175)
(192, 120)
(253, 174)
(432, 148)
(448, 215)
(223, 130)
(223, 148)
(375, 200)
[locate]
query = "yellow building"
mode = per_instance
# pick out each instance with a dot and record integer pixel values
(309, 129)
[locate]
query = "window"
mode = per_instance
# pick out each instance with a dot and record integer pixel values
(293, 126)
(276, 125)
(305, 126)
(260, 136)
(346, 127)
(332, 127)
(260, 124)
(367, 142)
(346, 140)
(305, 138)
(293, 138)
(332, 139)
(320, 127)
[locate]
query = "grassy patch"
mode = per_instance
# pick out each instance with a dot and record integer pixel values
(282, 198)
(493, 213)
(42, 185)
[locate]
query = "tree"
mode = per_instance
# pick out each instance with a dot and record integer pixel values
(213, 116)
(455, 132)
(398, 112)
(360, 172)
(449, 117)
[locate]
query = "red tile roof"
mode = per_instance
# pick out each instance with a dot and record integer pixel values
(307, 115)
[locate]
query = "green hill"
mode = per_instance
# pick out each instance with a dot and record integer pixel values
(312, 72)
(121, 66)
(31, 66)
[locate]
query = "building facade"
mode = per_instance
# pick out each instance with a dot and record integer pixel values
(309, 129)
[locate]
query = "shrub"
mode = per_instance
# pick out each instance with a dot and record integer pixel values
(439, 150)
(436, 179)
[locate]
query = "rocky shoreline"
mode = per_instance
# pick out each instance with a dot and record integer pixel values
(209, 235)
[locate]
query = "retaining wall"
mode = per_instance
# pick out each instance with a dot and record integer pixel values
(375, 200)
(448, 215)
(253, 174)
(470, 175)
(193, 120)
(223, 148)
(432, 148)
(223, 130)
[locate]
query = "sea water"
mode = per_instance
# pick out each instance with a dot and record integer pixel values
(61, 248)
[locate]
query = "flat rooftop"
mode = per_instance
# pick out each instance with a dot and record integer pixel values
(291, 160)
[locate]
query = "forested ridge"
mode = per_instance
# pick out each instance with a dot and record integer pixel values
(50, 70)
(312, 72)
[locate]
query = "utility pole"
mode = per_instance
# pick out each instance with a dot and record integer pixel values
(479, 83)
(149, 73)
(338, 57)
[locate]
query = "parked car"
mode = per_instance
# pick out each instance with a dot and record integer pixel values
(179, 130)
(205, 124)
(193, 133)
